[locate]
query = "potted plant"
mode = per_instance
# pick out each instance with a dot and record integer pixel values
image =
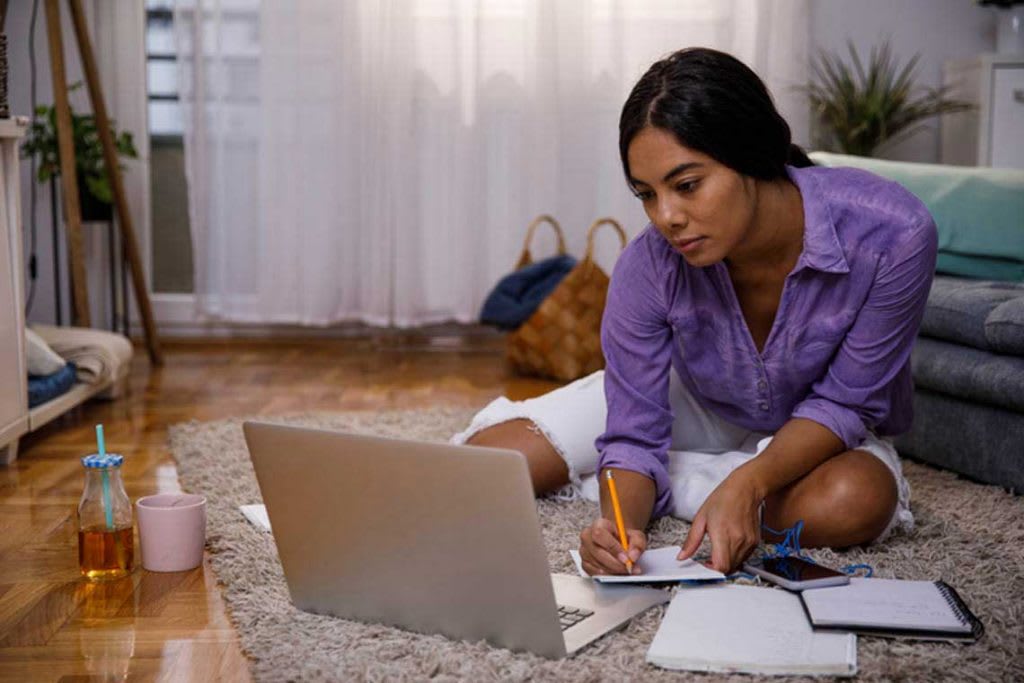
(859, 109)
(94, 191)
(1009, 25)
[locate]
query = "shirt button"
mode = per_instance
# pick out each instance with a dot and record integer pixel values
(763, 405)
(761, 385)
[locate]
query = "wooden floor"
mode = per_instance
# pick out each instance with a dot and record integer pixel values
(56, 627)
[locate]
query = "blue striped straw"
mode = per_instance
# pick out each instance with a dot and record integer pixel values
(108, 509)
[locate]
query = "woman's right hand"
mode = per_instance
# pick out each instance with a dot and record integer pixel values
(601, 551)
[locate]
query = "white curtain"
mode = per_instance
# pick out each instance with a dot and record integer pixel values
(379, 160)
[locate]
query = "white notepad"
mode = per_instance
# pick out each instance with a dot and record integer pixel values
(891, 607)
(659, 564)
(257, 515)
(747, 629)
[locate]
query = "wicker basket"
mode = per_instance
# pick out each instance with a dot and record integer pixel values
(526, 258)
(562, 339)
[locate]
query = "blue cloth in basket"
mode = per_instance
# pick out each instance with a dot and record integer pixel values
(517, 295)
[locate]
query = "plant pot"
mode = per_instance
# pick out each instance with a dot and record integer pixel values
(1010, 30)
(92, 208)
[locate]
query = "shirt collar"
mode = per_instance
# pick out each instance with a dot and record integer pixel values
(822, 250)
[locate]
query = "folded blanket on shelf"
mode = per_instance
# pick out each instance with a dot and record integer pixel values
(97, 354)
(48, 387)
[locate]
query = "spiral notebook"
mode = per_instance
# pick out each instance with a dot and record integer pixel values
(923, 610)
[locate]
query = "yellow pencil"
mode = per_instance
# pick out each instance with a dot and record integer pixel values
(618, 518)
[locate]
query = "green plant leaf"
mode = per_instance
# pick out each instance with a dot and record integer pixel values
(43, 144)
(99, 188)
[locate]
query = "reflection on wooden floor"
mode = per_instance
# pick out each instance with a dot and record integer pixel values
(54, 626)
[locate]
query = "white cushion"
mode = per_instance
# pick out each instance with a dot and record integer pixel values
(42, 360)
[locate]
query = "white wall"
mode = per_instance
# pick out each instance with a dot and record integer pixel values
(19, 92)
(939, 30)
(103, 17)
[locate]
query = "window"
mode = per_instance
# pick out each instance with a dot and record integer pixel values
(170, 238)
(162, 69)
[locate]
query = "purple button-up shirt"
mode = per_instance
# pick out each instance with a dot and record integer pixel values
(838, 352)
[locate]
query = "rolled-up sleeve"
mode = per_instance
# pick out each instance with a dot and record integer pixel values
(855, 394)
(636, 340)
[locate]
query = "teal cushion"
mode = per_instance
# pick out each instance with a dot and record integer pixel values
(979, 267)
(979, 212)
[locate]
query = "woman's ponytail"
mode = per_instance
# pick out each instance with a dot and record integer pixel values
(798, 157)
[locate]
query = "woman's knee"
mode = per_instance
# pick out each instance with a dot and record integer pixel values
(848, 500)
(548, 470)
(861, 493)
(867, 485)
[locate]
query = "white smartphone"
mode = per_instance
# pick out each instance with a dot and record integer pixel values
(795, 574)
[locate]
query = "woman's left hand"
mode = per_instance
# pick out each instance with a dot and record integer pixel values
(731, 518)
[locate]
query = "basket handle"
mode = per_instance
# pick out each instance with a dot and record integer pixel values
(526, 258)
(589, 256)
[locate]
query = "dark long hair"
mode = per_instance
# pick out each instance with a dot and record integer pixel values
(715, 104)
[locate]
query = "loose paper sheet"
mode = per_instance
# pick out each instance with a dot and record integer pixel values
(257, 514)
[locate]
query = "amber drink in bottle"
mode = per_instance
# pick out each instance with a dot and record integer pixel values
(105, 539)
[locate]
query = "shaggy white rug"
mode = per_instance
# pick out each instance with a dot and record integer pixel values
(969, 535)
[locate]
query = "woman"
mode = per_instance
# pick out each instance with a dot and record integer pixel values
(757, 335)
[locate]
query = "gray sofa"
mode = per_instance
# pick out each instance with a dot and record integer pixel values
(968, 367)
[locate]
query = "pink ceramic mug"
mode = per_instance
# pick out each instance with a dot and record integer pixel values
(172, 531)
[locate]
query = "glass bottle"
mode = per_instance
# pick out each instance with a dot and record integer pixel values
(105, 539)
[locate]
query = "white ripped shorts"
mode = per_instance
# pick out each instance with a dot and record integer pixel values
(704, 450)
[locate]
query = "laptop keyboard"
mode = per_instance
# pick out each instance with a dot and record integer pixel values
(570, 616)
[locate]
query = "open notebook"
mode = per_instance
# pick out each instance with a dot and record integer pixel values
(924, 610)
(658, 564)
(747, 629)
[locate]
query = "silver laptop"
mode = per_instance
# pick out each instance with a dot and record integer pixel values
(429, 537)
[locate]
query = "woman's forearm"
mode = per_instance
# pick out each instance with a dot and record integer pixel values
(636, 496)
(796, 449)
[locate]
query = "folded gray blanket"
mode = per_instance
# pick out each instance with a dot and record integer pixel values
(982, 314)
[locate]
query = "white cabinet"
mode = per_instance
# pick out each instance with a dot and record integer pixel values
(993, 133)
(14, 414)
(16, 419)
(1008, 117)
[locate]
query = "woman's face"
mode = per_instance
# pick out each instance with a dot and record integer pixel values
(703, 208)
